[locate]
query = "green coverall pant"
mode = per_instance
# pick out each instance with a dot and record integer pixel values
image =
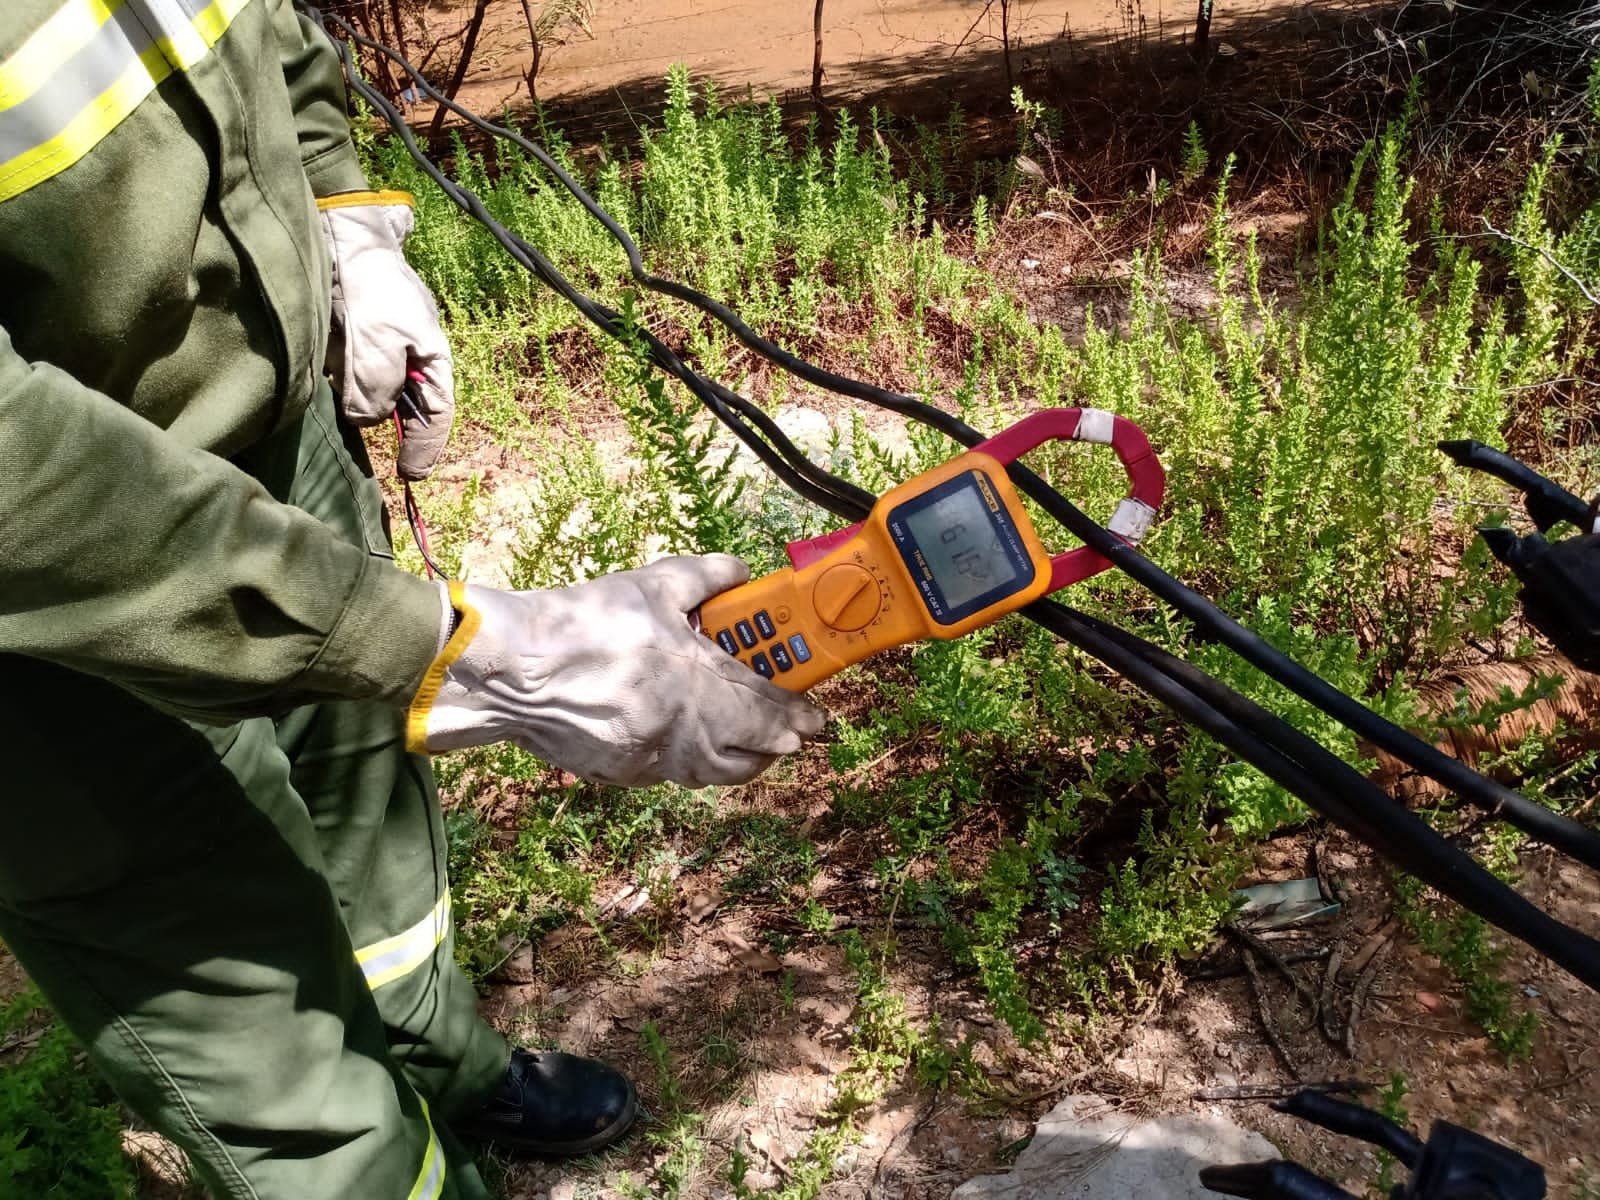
(249, 926)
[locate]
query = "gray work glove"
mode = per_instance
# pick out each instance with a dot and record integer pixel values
(386, 335)
(608, 680)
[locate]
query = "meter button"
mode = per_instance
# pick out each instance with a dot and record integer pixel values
(802, 652)
(780, 655)
(764, 625)
(725, 640)
(747, 636)
(846, 597)
(760, 665)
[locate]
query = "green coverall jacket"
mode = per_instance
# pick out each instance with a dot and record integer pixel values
(151, 327)
(217, 860)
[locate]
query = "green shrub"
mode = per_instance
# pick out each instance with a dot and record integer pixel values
(60, 1127)
(1306, 494)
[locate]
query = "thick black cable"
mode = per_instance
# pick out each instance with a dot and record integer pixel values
(1274, 1180)
(843, 384)
(1547, 502)
(1553, 828)
(804, 481)
(1258, 719)
(1255, 741)
(1351, 1120)
(1327, 783)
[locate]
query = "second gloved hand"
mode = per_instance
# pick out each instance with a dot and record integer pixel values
(385, 326)
(607, 680)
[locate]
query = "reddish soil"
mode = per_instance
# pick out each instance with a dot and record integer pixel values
(904, 55)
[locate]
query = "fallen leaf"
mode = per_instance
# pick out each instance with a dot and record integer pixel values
(1431, 1001)
(700, 905)
(1029, 168)
(753, 957)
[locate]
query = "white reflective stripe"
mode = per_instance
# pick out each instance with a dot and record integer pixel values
(1095, 425)
(1132, 520)
(85, 71)
(52, 44)
(430, 1180)
(384, 962)
(173, 30)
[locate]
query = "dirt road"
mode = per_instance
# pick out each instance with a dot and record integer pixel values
(871, 48)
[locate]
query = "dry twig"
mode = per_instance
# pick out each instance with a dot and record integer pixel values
(1330, 979)
(1253, 943)
(1263, 1010)
(1226, 967)
(1380, 937)
(1358, 996)
(1277, 1091)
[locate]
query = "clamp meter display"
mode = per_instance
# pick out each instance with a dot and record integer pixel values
(939, 556)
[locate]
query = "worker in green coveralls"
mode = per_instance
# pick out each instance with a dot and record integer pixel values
(221, 853)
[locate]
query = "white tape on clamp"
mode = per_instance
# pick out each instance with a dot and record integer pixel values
(1132, 520)
(1095, 425)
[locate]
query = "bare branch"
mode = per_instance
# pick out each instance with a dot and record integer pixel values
(1544, 254)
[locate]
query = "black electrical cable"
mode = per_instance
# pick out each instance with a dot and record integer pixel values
(1559, 831)
(1251, 732)
(1327, 783)
(1553, 828)
(1547, 502)
(1274, 1180)
(1351, 1120)
(803, 482)
(843, 384)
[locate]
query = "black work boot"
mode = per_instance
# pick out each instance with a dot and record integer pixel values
(554, 1103)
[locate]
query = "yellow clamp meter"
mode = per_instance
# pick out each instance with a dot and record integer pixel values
(939, 556)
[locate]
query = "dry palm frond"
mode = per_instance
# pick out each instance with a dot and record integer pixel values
(1573, 707)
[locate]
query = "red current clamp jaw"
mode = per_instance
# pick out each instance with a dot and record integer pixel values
(1148, 482)
(1134, 515)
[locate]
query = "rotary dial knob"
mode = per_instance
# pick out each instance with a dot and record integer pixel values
(846, 597)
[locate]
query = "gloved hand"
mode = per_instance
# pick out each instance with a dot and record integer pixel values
(607, 680)
(385, 323)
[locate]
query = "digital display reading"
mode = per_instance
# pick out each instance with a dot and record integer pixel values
(961, 545)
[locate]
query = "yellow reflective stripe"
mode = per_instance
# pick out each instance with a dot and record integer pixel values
(84, 132)
(187, 40)
(52, 44)
(365, 199)
(433, 678)
(213, 21)
(430, 1180)
(394, 957)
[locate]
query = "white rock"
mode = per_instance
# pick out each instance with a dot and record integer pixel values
(1085, 1150)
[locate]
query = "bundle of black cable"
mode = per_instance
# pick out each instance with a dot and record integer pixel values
(1560, 588)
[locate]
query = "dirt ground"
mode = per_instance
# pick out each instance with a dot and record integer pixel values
(757, 1040)
(907, 56)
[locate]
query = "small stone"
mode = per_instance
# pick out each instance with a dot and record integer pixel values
(566, 1189)
(518, 967)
